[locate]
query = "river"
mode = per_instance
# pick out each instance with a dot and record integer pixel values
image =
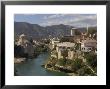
(33, 67)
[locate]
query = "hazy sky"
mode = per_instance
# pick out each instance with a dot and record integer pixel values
(77, 20)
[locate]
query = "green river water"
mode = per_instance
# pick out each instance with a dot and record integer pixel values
(33, 67)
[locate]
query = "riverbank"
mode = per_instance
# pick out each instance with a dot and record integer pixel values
(19, 60)
(68, 74)
(24, 59)
(60, 69)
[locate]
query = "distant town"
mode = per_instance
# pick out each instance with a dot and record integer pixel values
(74, 54)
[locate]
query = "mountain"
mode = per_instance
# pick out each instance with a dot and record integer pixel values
(33, 30)
(37, 31)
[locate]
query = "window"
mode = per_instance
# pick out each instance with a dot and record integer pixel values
(89, 48)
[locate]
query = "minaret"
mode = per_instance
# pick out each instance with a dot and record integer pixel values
(73, 31)
(87, 29)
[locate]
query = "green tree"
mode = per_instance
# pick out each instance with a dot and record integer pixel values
(84, 71)
(61, 62)
(47, 41)
(19, 51)
(91, 59)
(92, 31)
(53, 61)
(65, 55)
(64, 40)
(77, 64)
(77, 46)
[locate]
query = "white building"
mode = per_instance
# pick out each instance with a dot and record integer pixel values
(73, 31)
(88, 45)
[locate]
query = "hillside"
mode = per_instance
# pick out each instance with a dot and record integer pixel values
(37, 31)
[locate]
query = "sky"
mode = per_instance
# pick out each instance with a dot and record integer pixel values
(76, 20)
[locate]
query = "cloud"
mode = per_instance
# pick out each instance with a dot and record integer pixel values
(53, 16)
(78, 20)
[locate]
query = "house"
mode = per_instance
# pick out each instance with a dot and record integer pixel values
(88, 45)
(73, 31)
(84, 35)
(78, 39)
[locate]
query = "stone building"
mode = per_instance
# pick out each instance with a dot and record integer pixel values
(88, 45)
(61, 47)
(54, 42)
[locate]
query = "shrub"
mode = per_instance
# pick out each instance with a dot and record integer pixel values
(84, 71)
(77, 64)
(61, 62)
(91, 59)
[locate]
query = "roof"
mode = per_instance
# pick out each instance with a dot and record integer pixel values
(66, 44)
(74, 28)
(90, 43)
(89, 40)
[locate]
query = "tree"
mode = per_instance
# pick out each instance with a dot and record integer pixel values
(19, 51)
(92, 31)
(91, 59)
(77, 64)
(69, 62)
(31, 40)
(84, 71)
(65, 55)
(53, 61)
(40, 48)
(64, 40)
(47, 41)
(77, 46)
(61, 62)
